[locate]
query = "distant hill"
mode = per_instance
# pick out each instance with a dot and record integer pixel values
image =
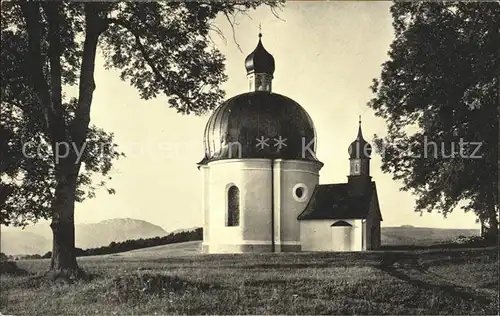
(184, 230)
(23, 242)
(391, 236)
(37, 239)
(118, 229)
(172, 250)
(422, 236)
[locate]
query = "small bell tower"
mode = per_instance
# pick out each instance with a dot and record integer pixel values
(359, 161)
(260, 68)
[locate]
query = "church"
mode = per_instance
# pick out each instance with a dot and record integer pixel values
(261, 190)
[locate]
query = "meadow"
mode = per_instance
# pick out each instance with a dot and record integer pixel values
(176, 279)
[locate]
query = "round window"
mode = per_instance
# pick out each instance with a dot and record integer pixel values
(300, 192)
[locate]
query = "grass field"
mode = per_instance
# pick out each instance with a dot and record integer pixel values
(175, 279)
(422, 236)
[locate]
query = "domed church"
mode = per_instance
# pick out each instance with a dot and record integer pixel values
(261, 190)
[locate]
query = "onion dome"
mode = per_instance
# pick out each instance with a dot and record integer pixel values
(259, 124)
(360, 148)
(260, 60)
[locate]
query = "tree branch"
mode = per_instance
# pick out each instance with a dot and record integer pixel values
(231, 23)
(276, 14)
(219, 32)
(31, 13)
(52, 10)
(5, 192)
(94, 26)
(148, 59)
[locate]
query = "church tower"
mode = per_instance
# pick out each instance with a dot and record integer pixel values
(259, 168)
(260, 68)
(359, 162)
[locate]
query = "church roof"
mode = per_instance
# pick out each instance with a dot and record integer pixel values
(260, 60)
(259, 124)
(338, 201)
(360, 148)
(236, 126)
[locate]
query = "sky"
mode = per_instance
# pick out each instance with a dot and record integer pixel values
(326, 55)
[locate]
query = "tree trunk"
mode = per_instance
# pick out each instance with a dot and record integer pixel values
(491, 229)
(496, 207)
(63, 263)
(483, 228)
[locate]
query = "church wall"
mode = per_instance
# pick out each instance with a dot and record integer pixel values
(378, 220)
(372, 221)
(357, 241)
(317, 235)
(368, 233)
(257, 200)
(206, 203)
(290, 175)
(254, 231)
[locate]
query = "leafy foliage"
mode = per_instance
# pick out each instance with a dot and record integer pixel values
(443, 78)
(28, 167)
(160, 47)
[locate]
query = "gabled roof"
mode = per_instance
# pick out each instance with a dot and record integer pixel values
(338, 201)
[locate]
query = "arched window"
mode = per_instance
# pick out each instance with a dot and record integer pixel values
(233, 206)
(341, 224)
(356, 167)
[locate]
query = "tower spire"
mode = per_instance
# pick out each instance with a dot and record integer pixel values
(260, 67)
(359, 156)
(360, 134)
(360, 148)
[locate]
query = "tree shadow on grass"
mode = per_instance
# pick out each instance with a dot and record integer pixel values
(30, 280)
(344, 263)
(11, 268)
(136, 286)
(265, 282)
(290, 266)
(397, 266)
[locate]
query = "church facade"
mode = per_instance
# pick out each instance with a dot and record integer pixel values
(261, 190)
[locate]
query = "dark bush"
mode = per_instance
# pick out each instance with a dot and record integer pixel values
(11, 268)
(35, 256)
(116, 247)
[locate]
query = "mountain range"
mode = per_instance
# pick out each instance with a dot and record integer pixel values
(37, 239)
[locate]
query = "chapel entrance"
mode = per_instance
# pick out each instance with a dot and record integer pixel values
(341, 236)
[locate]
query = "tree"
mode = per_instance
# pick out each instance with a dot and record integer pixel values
(159, 47)
(443, 77)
